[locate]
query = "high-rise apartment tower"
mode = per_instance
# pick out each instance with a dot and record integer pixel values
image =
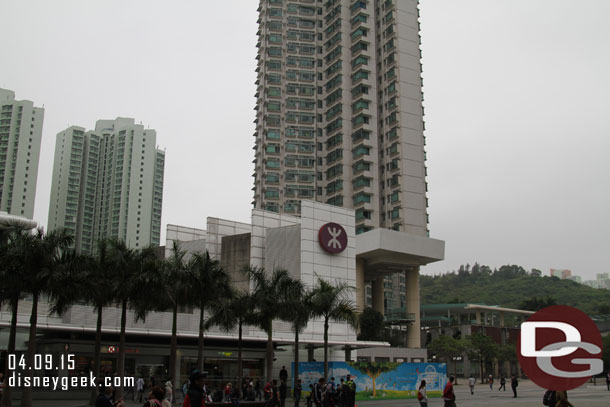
(108, 183)
(20, 137)
(339, 110)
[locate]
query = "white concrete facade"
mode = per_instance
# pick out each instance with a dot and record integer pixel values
(20, 138)
(108, 182)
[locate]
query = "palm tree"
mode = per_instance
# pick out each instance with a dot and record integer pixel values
(134, 272)
(174, 288)
(209, 283)
(332, 302)
(298, 313)
(12, 285)
(270, 293)
(42, 255)
(100, 294)
(235, 310)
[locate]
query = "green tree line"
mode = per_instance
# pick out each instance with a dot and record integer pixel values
(511, 286)
(44, 266)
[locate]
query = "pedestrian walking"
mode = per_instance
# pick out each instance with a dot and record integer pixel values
(227, 392)
(250, 394)
(105, 398)
(185, 389)
(448, 394)
(490, 380)
(140, 389)
(195, 393)
(309, 398)
(1, 385)
(562, 399)
(275, 394)
(283, 393)
(513, 385)
(169, 390)
(351, 392)
(283, 374)
(502, 383)
(296, 393)
(318, 389)
(550, 398)
(267, 390)
(422, 396)
(471, 382)
(257, 389)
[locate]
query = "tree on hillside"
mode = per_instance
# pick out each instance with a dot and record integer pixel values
(371, 325)
(606, 352)
(506, 353)
(374, 370)
(447, 348)
(536, 304)
(481, 348)
(604, 309)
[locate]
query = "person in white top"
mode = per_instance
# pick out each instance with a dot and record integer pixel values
(471, 383)
(169, 390)
(140, 389)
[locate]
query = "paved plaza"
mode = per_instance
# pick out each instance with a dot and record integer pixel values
(528, 395)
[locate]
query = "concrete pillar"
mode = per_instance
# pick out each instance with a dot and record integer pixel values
(414, 330)
(478, 317)
(378, 294)
(348, 353)
(501, 319)
(360, 285)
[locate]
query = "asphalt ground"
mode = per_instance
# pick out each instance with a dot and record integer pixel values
(528, 395)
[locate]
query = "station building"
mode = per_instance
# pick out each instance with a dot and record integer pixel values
(322, 243)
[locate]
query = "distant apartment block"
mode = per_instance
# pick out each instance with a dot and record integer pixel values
(108, 182)
(20, 137)
(561, 273)
(602, 280)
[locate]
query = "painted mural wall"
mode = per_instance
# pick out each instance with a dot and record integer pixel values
(379, 380)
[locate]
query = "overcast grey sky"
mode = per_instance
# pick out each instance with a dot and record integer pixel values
(517, 97)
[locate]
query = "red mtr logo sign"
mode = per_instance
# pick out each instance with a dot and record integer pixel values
(332, 238)
(559, 348)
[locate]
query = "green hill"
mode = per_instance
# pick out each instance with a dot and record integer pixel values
(510, 286)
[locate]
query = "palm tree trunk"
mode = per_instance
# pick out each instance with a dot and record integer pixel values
(200, 342)
(26, 394)
(239, 358)
(6, 395)
(97, 353)
(173, 346)
(296, 359)
(269, 355)
(121, 364)
(326, 349)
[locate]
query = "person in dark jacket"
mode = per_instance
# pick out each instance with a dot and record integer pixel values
(283, 393)
(195, 393)
(104, 399)
(283, 374)
(318, 390)
(513, 385)
(298, 388)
